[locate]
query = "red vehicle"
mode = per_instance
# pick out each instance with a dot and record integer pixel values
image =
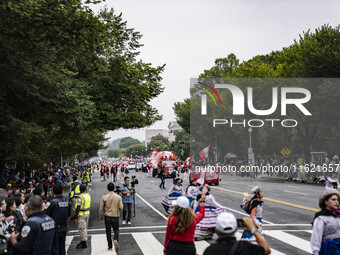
(210, 177)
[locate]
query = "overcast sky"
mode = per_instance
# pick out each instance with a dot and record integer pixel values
(188, 35)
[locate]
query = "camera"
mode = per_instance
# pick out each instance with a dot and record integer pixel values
(118, 191)
(134, 181)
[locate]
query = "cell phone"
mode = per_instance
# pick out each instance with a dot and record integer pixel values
(240, 223)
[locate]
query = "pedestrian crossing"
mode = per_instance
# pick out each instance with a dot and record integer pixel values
(151, 243)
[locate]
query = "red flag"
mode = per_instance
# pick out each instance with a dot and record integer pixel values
(204, 153)
(187, 161)
(130, 157)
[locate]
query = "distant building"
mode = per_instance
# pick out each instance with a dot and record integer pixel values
(168, 133)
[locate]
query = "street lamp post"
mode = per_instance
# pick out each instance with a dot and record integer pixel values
(250, 149)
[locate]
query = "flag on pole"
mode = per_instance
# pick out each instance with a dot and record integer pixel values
(130, 157)
(204, 153)
(201, 180)
(187, 161)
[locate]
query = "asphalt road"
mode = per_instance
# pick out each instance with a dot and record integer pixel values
(288, 211)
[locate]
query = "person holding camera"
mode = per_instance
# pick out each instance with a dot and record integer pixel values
(180, 231)
(226, 244)
(109, 209)
(127, 191)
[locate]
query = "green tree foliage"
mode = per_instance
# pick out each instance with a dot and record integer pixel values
(182, 111)
(113, 153)
(67, 76)
(315, 55)
(137, 150)
(128, 141)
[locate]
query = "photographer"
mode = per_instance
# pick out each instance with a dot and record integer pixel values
(110, 206)
(226, 227)
(127, 191)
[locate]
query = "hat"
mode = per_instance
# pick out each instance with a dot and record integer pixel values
(201, 188)
(226, 223)
(182, 202)
(325, 194)
(256, 189)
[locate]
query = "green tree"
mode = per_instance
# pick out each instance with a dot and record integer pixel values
(113, 153)
(182, 111)
(128, 141)
(68, 76)
(137, 150)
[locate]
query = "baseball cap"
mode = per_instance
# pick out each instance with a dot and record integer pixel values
(226, 223)
(181, 202)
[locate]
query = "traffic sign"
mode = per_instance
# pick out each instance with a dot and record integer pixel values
(285, 152)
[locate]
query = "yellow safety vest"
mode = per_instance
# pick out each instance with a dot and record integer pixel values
(85, 204)
(74, 190)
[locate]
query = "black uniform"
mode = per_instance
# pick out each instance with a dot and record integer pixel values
(36, 236)
(59, 210)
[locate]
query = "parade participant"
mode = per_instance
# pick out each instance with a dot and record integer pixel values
(256, 214)
(174, 192)
(59, 209)
(162, 177)
(127, 192)
(192, 191)
(332, 182)
(113, 173)
(179, 237)
(101, 173)
(38, 232)
(325, 239)
(82, 215)
(110, 206)
(226, 244)
(205, 228)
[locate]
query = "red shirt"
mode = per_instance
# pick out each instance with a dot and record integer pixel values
(186, 236)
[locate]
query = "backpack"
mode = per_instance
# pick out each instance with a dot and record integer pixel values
(247, 205)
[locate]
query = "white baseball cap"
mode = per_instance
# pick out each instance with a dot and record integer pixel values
(226, 223)
(181, 202)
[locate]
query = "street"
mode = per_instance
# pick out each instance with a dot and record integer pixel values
(288, 211)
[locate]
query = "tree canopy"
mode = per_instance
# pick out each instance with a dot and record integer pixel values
(67, 76)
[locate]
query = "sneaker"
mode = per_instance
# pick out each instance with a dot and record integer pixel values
(124, 222)
(116, 245)
(129, 223)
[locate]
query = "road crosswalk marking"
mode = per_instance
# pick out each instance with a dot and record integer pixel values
(289, 239)
(148, 243)
(99, 245)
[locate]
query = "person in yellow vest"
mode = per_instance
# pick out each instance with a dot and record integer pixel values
(74, 192)
(82, 215)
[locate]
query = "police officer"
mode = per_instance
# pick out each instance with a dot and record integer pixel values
(82, 215)
(59, 209)
(37, 235)
(74, 192)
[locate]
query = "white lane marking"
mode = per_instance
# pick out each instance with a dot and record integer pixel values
(247, 215)
(290, 239)
(309, 231)
(121, 228)
(201, 246)
(288, 225)
(148, 243)
(99, 246)
(68, 242)
(153, 208)
(294, 192)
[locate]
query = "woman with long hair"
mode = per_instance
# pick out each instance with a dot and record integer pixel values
(256, 214)
(325, 239)
(180, 231)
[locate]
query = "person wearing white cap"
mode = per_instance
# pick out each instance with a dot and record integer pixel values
(226, 244)
(180, 231)
(325, 239)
